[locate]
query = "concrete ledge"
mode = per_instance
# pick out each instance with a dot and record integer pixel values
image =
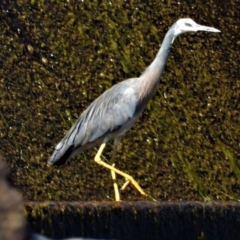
(136, 220)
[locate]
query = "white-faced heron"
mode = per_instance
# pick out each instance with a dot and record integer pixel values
(114, 112)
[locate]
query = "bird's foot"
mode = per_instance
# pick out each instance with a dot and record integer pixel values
(134, 183)
(125, 185)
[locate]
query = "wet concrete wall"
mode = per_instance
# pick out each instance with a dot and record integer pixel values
(57, 57)
(136, 220)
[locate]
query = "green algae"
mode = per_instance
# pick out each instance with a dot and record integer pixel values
(56, 58)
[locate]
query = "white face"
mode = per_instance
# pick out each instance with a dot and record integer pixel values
(184, 25)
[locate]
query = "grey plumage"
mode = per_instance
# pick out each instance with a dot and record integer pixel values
(115, 111)
(103, 119)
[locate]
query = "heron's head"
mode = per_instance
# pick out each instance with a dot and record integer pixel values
(184, 25)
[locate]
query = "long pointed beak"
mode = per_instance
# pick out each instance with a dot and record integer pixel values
(207, 29)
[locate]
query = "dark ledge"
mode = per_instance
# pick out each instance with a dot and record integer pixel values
(136, 220)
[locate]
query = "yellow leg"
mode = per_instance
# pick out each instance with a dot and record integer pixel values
(115, 186)
(129, 178)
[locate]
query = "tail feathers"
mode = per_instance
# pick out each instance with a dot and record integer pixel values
(61, 154)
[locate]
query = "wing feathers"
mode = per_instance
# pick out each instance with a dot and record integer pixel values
(106, 114)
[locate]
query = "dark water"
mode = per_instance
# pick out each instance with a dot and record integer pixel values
(56, 58)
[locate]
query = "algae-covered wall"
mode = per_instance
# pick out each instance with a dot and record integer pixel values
(57, 56)
(136, 220)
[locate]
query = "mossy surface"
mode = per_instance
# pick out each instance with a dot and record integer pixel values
(57, 57)
(136, 220)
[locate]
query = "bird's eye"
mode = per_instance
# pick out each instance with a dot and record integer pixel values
(188, 24)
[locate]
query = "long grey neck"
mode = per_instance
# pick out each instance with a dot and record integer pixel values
(151, 76)
(157, 67)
